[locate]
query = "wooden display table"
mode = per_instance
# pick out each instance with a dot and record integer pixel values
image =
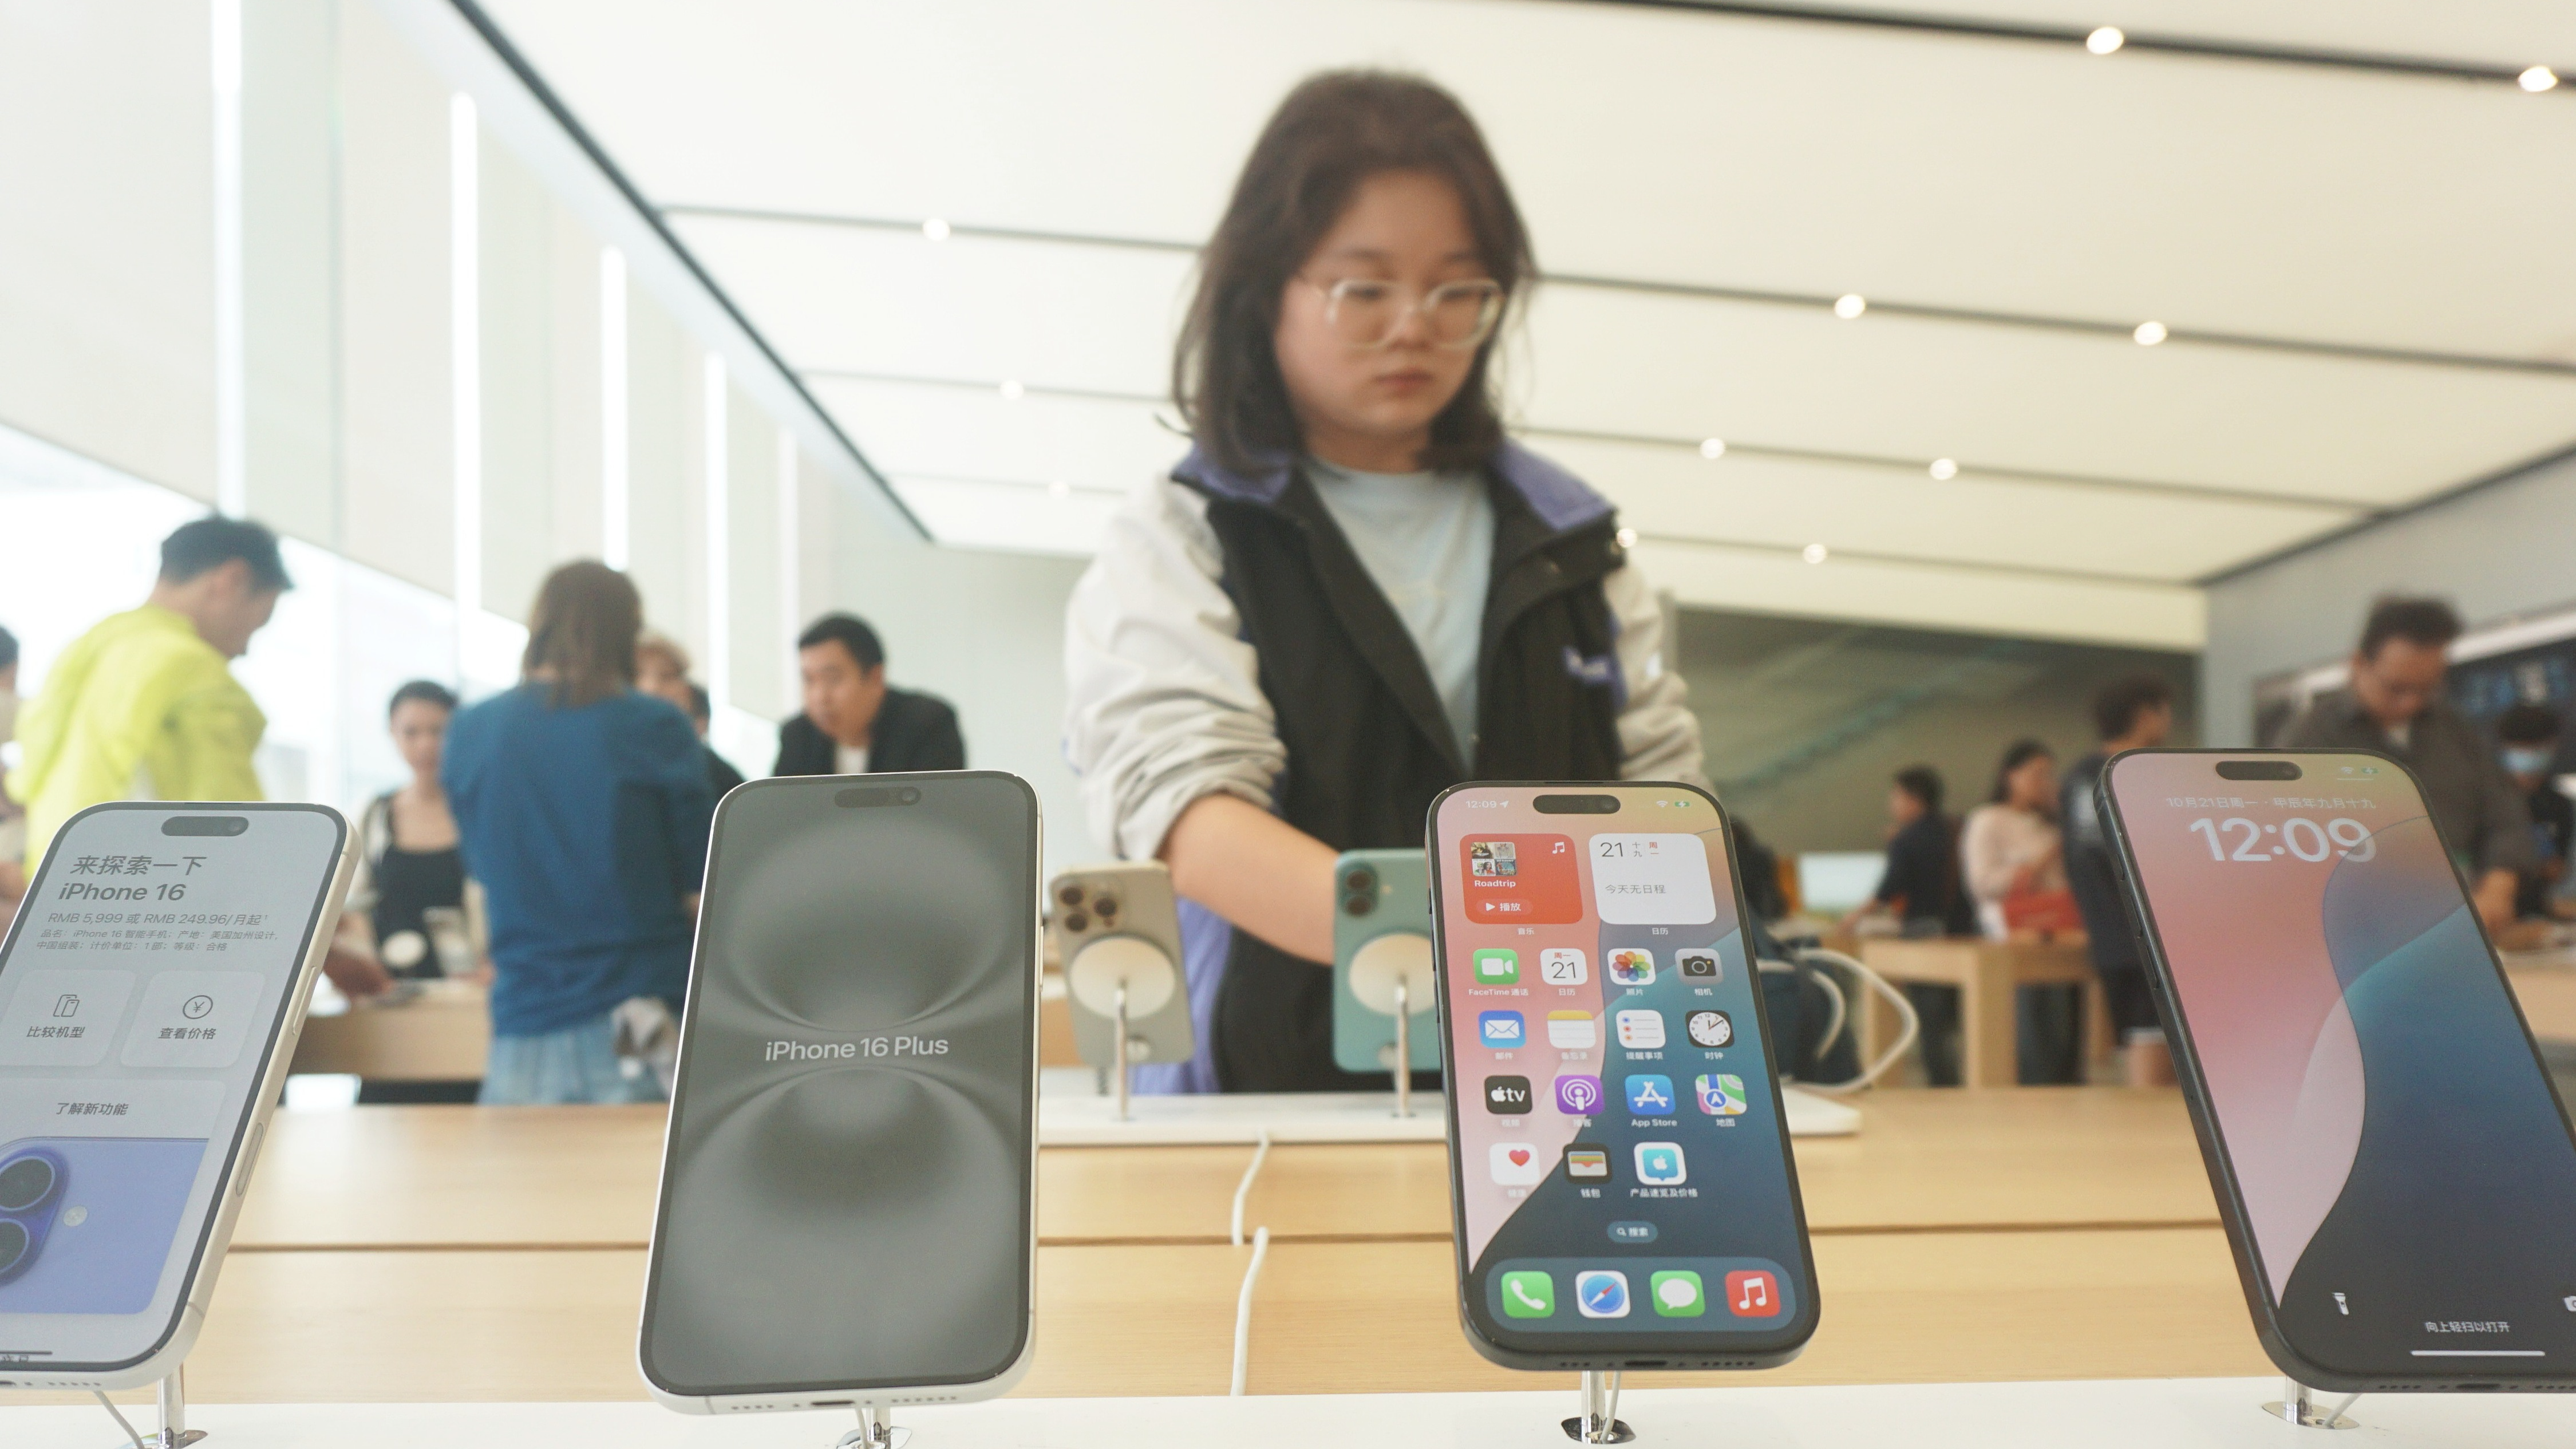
(584, 1176)
(1985, 973)
(2545, 983)
(1159, 1319)
(443, 1034)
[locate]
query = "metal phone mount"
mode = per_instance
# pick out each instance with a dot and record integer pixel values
(1391, 975)
(1120, 977)
(1599, 1422)
(174, 1433)
(2298, 1404)
(876, 1431)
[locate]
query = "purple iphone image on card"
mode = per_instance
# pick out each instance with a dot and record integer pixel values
(98, 1220)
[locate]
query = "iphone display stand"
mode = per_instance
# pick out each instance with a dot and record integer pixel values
(876, 1431)
(1599, 1421)
(1391, 976)
(172, 1400)
(1122, 977)
(2298, 1404)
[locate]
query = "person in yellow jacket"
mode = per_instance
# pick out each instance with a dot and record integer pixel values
(144, 706)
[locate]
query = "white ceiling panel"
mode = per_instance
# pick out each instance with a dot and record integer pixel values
(1007, 517)
(849, 299)
(1790, 503)
(2490, 32)
(1643, 142)
(1718, 576)
(846, 299)
(1908, 387)
(973, 433)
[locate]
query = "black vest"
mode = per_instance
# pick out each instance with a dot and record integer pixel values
(1369, 745)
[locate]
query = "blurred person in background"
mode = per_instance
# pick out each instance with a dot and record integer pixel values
(1356, 590)
(581, 806)
(2131, 713)
(409, 863)
(144, 706)
(1923, 893)
(2394, 704)
(701, 709)
(662, 671)
(2527, 735)
(854, 722)
(2013, 855)
(13, 821)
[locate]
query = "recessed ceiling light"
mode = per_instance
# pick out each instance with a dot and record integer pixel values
(1850, 305)
(2105, 40)
(1813, 553)
(935, 229)
(2537, 79)
(1011, 389)
(1059, 489)
(1712, 447)
(2149, 333)
(1627, 538)
(1945, 469)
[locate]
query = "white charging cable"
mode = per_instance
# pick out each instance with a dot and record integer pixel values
(109, 1404)
(1909, 1028)
(1243, 1310)
(1243, 1189)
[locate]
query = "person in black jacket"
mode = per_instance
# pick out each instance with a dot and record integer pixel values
(1355, 591)
(854, 722)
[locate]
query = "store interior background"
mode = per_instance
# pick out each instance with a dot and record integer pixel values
(883, 323)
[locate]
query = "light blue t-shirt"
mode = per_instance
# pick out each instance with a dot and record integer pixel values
(1427, 539)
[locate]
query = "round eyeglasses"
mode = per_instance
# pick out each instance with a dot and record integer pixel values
(1367, 313)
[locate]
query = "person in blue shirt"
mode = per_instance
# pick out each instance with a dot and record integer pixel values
(582, 806)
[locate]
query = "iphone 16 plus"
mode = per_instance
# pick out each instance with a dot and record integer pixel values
(151, 992)
(2393, 1167)
(1618, 1158)
(848, 1208)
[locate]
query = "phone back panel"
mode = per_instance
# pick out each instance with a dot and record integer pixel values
(1378, 893)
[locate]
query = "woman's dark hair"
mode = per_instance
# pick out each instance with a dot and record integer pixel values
(8, 649)
(582, 632)
(422, 691)
(2016, 755)
(1924, 784)
(1334, 131)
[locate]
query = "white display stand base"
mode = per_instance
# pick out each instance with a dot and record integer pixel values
(2111, 1414)
(1072, 1114)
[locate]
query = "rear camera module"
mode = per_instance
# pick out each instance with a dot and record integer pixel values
(25, 1182)
(13, 1248)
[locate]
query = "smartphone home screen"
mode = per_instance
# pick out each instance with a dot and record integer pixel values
(1622, 1164)
(143, 985)
(845, 1195)
(2404, 1170)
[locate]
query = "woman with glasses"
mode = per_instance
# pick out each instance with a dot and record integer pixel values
(1354, 591)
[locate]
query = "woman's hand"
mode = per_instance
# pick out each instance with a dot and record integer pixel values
(1257, 871)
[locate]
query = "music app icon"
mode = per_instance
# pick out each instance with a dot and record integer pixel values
(1752, 1294)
